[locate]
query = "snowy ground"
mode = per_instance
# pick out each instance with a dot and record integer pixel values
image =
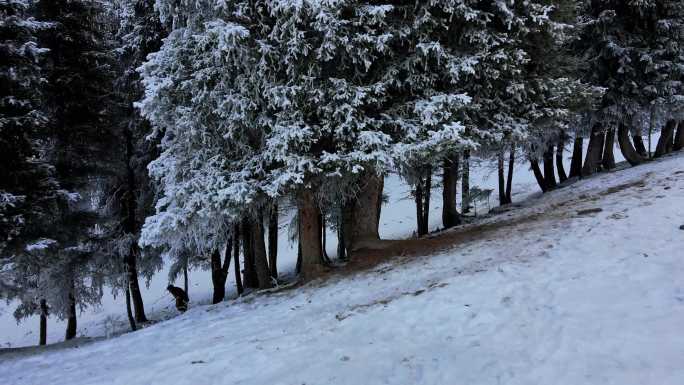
(573, 296)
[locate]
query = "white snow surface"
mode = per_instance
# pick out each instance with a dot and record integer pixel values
(560, 294)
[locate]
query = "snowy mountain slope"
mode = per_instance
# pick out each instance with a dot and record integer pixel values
(574, 296)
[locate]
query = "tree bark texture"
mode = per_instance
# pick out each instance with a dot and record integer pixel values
(538, 175)
(562, 176)
(309, 234)
(608, 161)
(43, 322)
(260, 257)
(576, 163)
(465, 183)
(592, 162)
(628, 151)
(664, 145)
(549, 171)
(679, 137)
(273, 240)
(450, 215)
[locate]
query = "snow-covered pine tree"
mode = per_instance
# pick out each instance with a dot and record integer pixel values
(253, 111)
(634, 49)
(555, 93)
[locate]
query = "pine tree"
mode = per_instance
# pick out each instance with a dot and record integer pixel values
(634, 50)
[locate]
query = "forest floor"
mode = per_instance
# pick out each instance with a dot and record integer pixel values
(583, 285)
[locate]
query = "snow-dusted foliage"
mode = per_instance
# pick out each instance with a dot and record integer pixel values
(254, 102)
(635, 51)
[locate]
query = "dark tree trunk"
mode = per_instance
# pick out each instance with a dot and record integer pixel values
(218, 276)
(562, 176)
(381, 187)
(418, 196)
(549, 172)
(502, 180)
(628, 151)
(509, 179)
(250, 279)
(465, 183)
(273, 241)
(71, 318)
(43, 322)
(133, 285)
(131, 226)
(426, 202)
(450, 215)
(236, 255)
(639, 145)
(679, 137)
(326, 258)
(260, 257)
(592, 163)
(360, 216)
(608, 161)
(129, 312)
(576, 163)
(341, 248)
(185, 278)
(538, 175)
(664, 145)
(309, 235)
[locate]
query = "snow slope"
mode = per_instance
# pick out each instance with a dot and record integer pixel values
(561, 294)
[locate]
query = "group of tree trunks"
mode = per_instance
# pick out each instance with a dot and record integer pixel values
(600, 154)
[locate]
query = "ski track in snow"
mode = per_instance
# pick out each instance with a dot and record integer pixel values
(577, 296)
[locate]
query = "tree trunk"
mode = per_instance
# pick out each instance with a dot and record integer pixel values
(129, 312)
(133, 285)
(341, 248)
(502, 180)
(218, 278)
(380, 188)
(608, 161)
(450, 215)
(250, 279)
(426, 201)
(509, 181)
(628, 151)
(679, 137)
(324, 241)
(236, 255)
(664, 145)
(309, 234)
(592, 163)
(71, 318)
(538, 175)
(260, 257)
(562, 176)
(43, 322)
(185, 277)
(639, 145)
(418, 197)
(131, 226)
(576, 163)
(549, 172)
(360, 217)
(273, 240)
(465, 183)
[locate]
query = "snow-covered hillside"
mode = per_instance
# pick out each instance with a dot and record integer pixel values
(582, 286)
